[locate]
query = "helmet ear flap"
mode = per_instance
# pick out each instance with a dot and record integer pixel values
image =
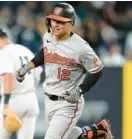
(73, 22)
(48, 24)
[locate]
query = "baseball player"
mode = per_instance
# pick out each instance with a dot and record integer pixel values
(20, 101)
(71, 69)
(6, 76)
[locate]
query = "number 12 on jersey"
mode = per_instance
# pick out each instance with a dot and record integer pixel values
(63, 74)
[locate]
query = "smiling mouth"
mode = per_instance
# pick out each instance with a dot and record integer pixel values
(57, 29)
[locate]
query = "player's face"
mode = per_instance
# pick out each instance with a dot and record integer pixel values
(60, 28)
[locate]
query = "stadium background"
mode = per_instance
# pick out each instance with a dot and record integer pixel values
(107, 26)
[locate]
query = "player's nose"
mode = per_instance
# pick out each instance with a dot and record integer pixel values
(56, 24)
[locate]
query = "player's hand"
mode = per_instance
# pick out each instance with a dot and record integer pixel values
(73, 96)
(21, 73)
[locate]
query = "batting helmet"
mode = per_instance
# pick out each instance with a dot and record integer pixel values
(62, 12)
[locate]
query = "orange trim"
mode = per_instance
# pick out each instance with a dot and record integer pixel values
(58, 18)
(71, 120)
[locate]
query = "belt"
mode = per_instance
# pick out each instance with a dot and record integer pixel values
(54, 97)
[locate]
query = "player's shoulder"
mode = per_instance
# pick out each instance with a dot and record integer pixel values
(4, 56)
(16, 50)
(80, 42)
(47, 36)
(23, 50)
(6, 62)
(2, 53)
(78, 39)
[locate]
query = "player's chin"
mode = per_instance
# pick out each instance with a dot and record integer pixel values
(57, 32)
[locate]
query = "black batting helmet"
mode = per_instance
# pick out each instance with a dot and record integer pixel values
(62, 12)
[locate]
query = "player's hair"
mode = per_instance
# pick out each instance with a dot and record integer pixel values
(2, 33)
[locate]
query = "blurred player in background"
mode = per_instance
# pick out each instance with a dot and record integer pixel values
(6, 84)
(71, 69)
(19, 97)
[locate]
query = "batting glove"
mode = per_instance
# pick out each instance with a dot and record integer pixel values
(74, 95)
(21, 73)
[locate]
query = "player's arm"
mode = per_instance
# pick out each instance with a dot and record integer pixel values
(91, 78)
(94, 67)
(8, 83)
(37, 61)
(6, 72)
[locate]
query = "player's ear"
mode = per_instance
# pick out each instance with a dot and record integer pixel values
(71, 23)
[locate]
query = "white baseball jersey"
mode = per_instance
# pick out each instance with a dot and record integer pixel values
(6, 67)
(12, 57)
(66, 63)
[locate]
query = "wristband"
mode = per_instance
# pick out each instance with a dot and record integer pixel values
(6, 98)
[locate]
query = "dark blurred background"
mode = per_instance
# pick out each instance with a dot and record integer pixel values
(107, 26)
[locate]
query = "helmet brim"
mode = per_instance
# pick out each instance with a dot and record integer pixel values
(58, 18)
